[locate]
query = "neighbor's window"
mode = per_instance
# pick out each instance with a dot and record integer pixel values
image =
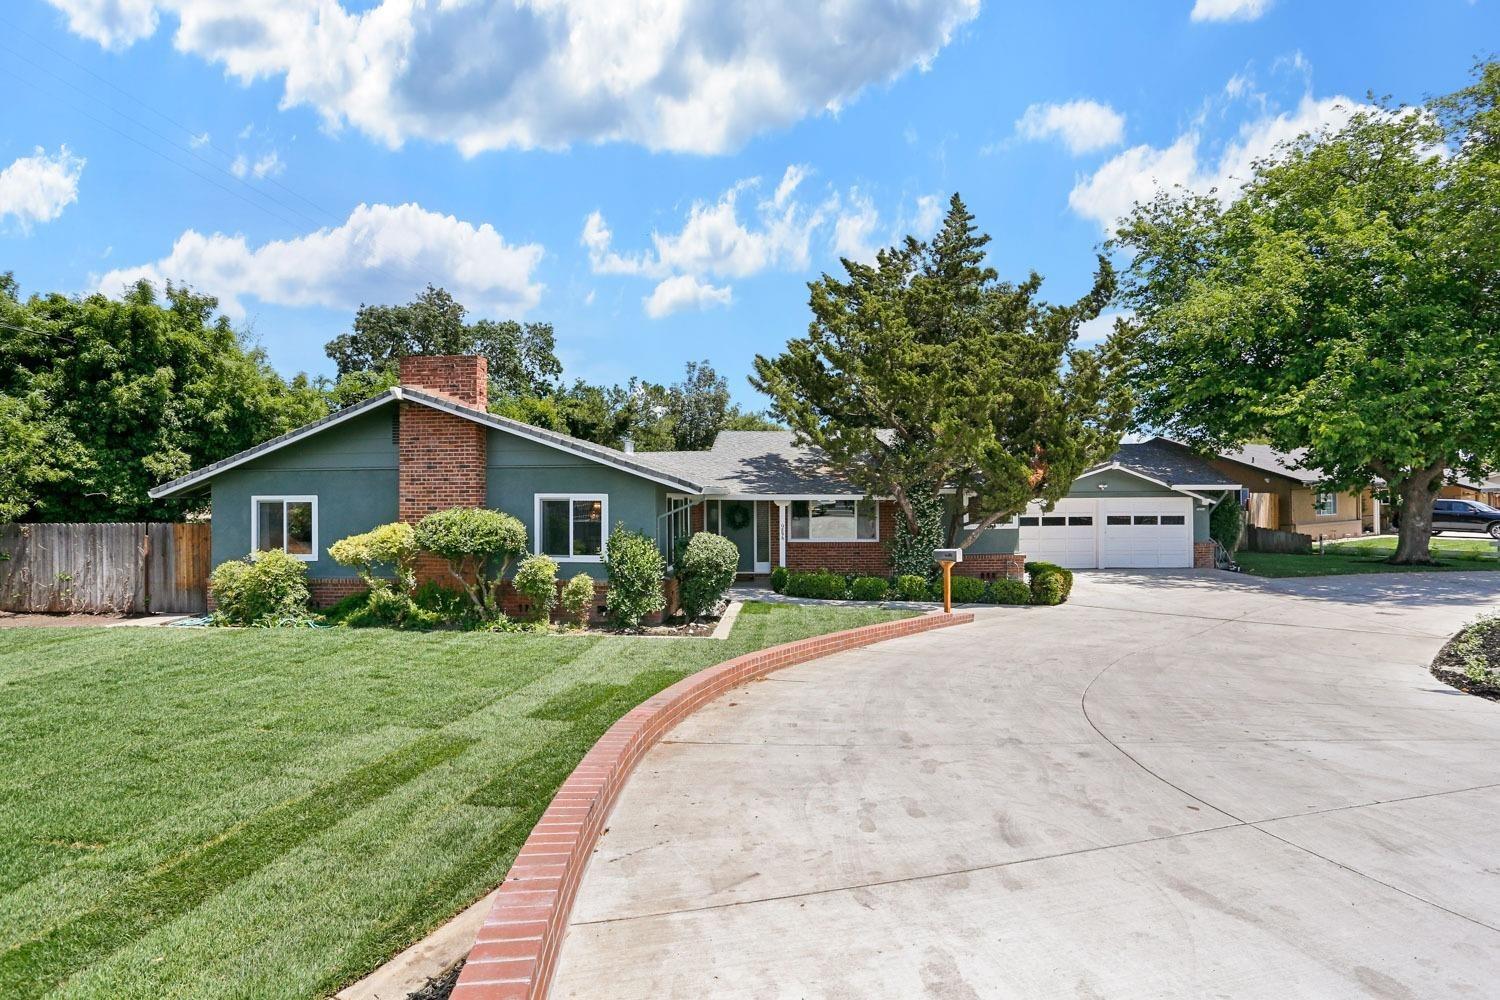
(1326, 504)
(834, 521)
(286, 523)
(572, 527)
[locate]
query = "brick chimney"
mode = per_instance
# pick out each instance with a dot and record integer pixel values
(441, 456)
(461, 377)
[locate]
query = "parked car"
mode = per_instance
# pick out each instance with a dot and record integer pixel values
(1465, 515)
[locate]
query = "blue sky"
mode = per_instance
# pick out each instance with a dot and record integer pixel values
(661, 187)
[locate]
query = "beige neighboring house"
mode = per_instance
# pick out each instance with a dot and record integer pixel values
(1283, 497)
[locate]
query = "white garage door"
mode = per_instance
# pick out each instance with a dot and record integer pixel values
(1084, 534)
(1146, 532)
(1066, 535)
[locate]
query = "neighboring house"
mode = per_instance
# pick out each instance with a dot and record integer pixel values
(1463, 488)
(429, 444)
(1282, 495)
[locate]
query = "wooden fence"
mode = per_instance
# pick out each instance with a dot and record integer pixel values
(102, 568)
(1267, 540)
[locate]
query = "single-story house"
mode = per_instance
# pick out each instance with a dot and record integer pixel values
(1461, 487)
(429, 443)
(1283, 495)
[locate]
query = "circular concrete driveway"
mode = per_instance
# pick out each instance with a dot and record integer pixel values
(1177, 785)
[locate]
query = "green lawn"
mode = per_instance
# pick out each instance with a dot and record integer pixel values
(1368, 555)
(257, 814)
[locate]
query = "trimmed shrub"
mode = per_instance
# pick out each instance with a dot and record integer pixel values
(911, 587)
(578, 598)
(964, 589)
(269, 588)
(536, 581)
(1225, 523)
(778, 579)
(635, 571)
(444, 605)
(479, 545)
(705, 572)
(869, 588)
(1006, 591)
(393, 545)
(1050, 583)
(911, 555)
(822, 585)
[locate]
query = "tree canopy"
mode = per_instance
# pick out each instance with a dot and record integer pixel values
(924, 371)
(101, 399)
(1344, 302)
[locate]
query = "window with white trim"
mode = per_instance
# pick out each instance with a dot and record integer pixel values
(1326, 504)
(287, 523)
(834, 521)
(572, 527)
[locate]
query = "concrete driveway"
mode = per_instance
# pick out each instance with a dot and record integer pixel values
(1178, 785)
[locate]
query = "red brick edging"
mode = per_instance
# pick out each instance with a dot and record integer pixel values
(515, 951)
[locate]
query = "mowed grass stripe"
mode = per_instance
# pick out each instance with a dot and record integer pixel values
(39, 964)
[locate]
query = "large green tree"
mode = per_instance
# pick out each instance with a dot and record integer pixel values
(925, 371)
(521, 357)
(101, 399)
(1344, 302)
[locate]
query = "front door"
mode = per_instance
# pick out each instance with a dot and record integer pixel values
(738, 520)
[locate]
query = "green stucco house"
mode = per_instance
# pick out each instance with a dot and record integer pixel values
(429, 444)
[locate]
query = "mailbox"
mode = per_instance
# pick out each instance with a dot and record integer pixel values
(948, 555)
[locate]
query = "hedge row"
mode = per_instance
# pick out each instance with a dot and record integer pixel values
(1049, 584)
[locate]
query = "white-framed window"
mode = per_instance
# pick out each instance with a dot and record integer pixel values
(1326, 504)
(572, 527)
(834, 521)
(288, 523)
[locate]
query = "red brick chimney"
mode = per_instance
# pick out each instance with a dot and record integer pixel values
(462, 377)
(441, 456)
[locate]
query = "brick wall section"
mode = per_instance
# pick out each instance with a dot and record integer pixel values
(992, 566)
(328, 592)
(515, 951)
(1203, 555)
(864, 558)
(456, 376)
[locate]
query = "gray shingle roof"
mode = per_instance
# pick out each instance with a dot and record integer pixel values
(1171, 463)
(756, 463)
(1282, 463)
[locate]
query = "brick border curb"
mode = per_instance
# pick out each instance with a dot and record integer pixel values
(516, 949)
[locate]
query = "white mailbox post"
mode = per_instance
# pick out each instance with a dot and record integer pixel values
(946, 558)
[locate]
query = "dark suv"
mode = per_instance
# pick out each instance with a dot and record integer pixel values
(1465, 515)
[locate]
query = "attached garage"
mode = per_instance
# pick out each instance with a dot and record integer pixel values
(1118, 532)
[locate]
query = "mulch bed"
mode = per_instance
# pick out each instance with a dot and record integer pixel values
(439, 988)
(1448, 667)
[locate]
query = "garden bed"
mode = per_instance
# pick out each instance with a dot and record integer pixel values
(1471, 659)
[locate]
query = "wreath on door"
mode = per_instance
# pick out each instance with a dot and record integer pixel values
(737, 517)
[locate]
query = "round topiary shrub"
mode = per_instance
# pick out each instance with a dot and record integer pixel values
(478, 544)
(269, 588)
(1050, 583)
(963, 590)
(536, 581)
(1004, 591)
(635, 571)
(578, 598)
(705, 572)
(911, 587)
(778, 579)
(869, 588)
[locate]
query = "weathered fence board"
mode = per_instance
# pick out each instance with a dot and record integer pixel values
(103, 568)
(1267, 540)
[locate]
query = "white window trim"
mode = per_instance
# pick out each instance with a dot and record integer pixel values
(283, 499)
(835, 541)
(536, 532)
(1334, 497)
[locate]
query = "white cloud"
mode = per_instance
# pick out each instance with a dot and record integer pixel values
(269, 165)
(743, 233)
(1137, 173)
(683, 291)
(381, 253)
(697, 76)
(37, 188)
(199, 140)
(1083, 126)
(114, 24)
(1229, 10)
(240, 167)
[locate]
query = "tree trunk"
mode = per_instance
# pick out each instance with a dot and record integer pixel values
(1414, 533)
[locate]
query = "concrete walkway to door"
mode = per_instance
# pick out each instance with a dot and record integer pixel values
(1178, 785)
